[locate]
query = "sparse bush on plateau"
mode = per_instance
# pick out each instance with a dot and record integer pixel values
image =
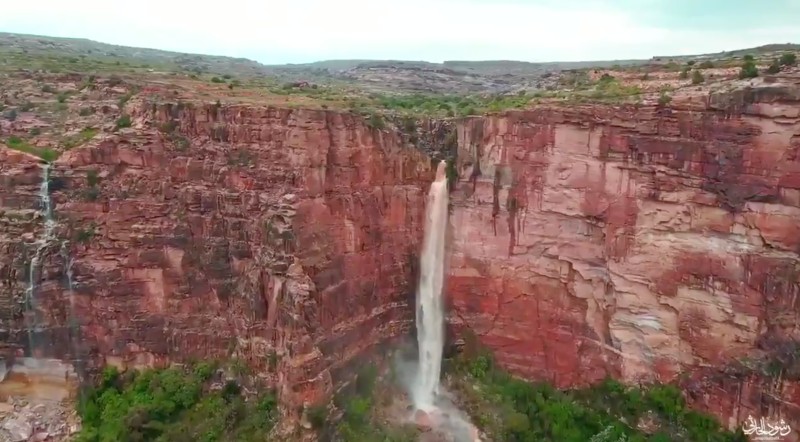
(697, 77)
(775, 67)
(788, 59)
(749, 69)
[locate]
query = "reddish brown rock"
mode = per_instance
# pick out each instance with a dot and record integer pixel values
(637, 242)
(257, 233)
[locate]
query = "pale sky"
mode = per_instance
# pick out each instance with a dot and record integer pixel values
(297, 31)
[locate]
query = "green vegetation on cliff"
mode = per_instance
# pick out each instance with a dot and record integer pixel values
(509, 409)
(21, 145)
(359, 417)
(173, 405)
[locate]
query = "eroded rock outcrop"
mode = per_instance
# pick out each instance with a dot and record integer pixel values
(284, 238)
(637, 242)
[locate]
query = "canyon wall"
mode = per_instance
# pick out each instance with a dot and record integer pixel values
(284, 238)
(640, 242)
(645, 243)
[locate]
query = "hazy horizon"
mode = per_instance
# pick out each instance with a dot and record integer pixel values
(418, 30)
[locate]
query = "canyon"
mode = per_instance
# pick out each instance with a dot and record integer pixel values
(645, 242)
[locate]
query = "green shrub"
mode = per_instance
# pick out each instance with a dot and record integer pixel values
(749, 70)
(217, 80)
(85, 236)
(124, 99)
(172, 405)
(317, 416)
(91, 194)
(788, 59)
(684, 74)
(365, 381)
(21, 145)
(775, 67)
(608, 411)
(358, 422)
(697, 77)
(92, 178)
(708, 64)
(124, 121)
(376, 122)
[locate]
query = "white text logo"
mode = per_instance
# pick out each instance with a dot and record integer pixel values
(766, 429)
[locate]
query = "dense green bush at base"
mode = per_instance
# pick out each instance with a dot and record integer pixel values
(517, 411)
(172, 405)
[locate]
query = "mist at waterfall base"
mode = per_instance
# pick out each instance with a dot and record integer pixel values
(421, 377)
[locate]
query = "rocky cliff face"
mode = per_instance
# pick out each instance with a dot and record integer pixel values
(284, 238)
(643, 243)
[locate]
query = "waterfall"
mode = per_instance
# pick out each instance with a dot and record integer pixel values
(41, 244)
(73, 324)
(430, 313)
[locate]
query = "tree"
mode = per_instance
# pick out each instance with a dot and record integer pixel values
(749, 69)
(788, 59)
(775, 67)
(697, 77)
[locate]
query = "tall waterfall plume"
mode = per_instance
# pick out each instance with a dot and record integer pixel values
(430, 312)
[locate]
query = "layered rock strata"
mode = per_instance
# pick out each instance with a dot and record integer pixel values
(639, 242)
(644, 243)
(284, 238)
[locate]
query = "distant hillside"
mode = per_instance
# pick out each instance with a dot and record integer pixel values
(34, 45)
(756, 51)
(52, 54)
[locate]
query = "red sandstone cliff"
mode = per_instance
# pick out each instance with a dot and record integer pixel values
(285, 238)
(637, 242)
(590, 240)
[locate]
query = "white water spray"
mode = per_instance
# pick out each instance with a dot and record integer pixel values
(430, 314)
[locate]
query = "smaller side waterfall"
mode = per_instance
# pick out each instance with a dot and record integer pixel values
(32, 316)
(73, 323)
